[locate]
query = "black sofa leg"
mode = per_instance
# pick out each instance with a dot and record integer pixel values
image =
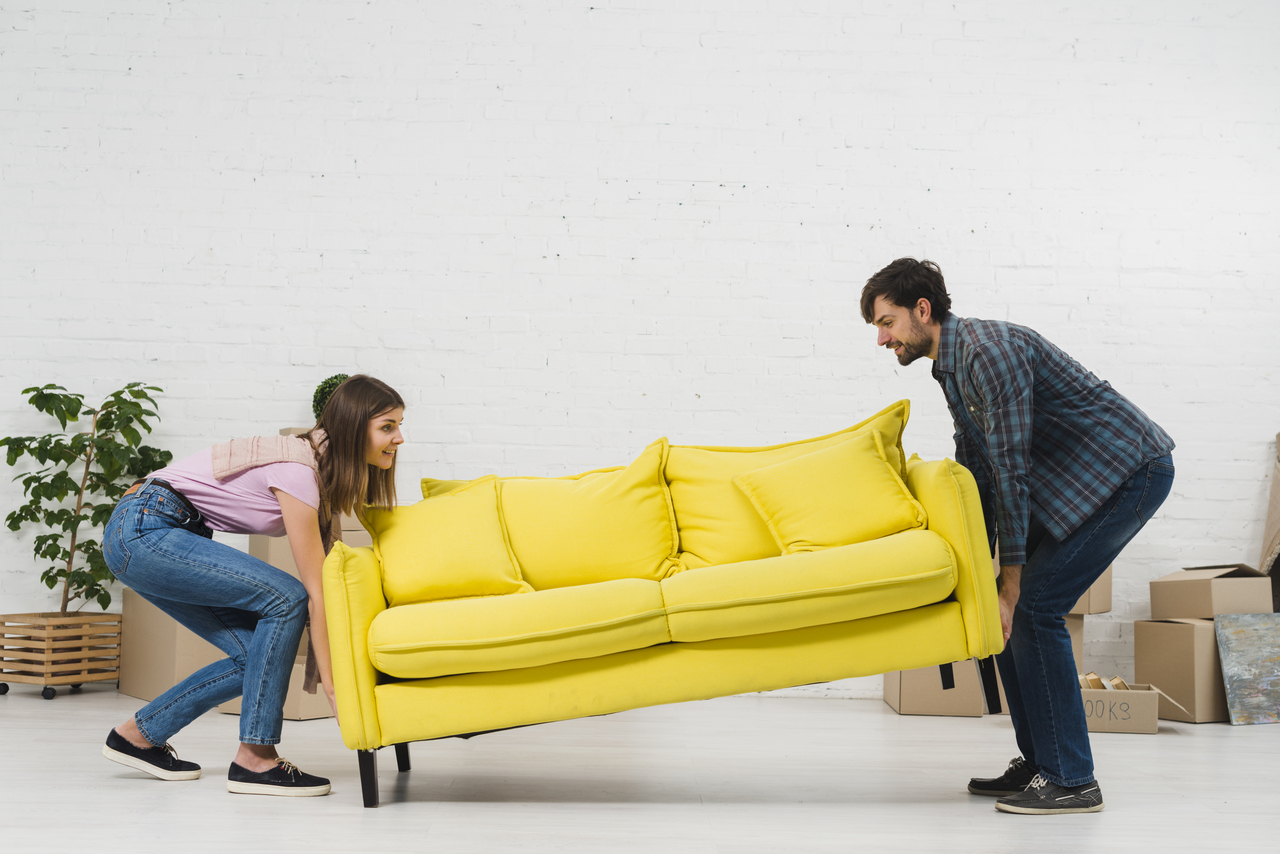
(369, 776)
(990, 688)
(402, 756)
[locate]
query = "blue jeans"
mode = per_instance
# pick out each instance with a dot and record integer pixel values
(1036, 667)
(250, 610)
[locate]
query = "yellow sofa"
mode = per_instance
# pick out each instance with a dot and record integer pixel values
(693, 572)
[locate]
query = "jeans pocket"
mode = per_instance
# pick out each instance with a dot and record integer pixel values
(114, 551)
(158, 513)
(1159, 482)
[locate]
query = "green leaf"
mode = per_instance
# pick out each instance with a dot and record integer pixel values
(101, 514)
(131, 435)
(113, 452)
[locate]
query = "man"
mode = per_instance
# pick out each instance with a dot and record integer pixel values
(1069, 471)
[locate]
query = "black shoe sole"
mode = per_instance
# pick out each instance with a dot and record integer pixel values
(997, 793)
(145, 766)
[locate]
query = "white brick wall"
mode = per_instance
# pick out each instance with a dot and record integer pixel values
(564, 229)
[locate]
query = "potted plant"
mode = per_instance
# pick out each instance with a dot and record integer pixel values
(82, 476)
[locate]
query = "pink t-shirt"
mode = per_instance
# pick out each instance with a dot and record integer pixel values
(243, 503)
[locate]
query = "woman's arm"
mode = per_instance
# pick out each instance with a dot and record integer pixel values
(303, 529)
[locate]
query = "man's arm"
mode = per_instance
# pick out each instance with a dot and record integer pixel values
(968, 456)
(1005, 378)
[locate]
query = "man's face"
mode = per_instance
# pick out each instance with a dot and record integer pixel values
(901, 331)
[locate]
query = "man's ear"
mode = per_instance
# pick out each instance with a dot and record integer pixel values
(924, 310)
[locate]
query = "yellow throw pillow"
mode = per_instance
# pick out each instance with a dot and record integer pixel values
(718, 524)
(431, 487)
(845, 494)
(596, 526)
(445, 547)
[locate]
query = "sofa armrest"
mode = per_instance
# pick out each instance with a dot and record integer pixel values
(950, 497)
(352, 598)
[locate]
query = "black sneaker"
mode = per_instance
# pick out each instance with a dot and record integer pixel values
(1013, 781)
(160, 762)
(1045, 798)
(284, 780)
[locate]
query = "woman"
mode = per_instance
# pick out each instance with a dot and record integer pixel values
(158, 542)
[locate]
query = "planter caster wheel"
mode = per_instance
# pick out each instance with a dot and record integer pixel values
(75, 687)
(48, 693)
(4, 688)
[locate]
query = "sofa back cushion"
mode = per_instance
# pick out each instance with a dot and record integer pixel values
(597, 526)
(717, 523)
(445, 547)
(847, 493)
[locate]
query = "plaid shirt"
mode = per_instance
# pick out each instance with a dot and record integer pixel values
(1040, 434)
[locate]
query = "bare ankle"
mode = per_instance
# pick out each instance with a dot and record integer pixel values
(257, 757)
(129, 732)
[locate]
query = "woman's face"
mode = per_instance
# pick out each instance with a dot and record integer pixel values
(384, 438)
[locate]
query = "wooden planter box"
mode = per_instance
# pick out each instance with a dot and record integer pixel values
(52, 649)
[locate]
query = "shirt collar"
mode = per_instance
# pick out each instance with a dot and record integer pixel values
(946, 361)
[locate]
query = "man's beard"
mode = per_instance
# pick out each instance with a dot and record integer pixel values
(916, 346)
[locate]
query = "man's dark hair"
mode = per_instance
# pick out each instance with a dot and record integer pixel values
(903, 283)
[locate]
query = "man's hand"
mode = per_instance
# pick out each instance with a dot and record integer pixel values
(1010, 588)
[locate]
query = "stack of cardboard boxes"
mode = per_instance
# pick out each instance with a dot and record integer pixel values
(1113, 705)
(157, 653)
(1177, 649)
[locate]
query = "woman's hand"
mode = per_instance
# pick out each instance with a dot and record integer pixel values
(333, 701)
(303, 528)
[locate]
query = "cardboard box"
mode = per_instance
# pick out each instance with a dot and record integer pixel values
(920, 692)
(1202, 591)
(1097, 599)
(276, 551)
(1134, 710)
(298, 704)
(1271, 532)
(156, 652)
(1181, 656)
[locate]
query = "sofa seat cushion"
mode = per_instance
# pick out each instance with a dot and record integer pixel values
(894, 573)
(718, 524)
(524, 630)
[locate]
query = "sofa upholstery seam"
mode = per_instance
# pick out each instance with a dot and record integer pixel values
(471, 644)
(805, 594)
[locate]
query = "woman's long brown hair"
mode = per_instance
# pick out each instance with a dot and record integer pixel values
(347, 482)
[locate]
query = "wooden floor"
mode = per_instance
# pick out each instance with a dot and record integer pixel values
(742, 774)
